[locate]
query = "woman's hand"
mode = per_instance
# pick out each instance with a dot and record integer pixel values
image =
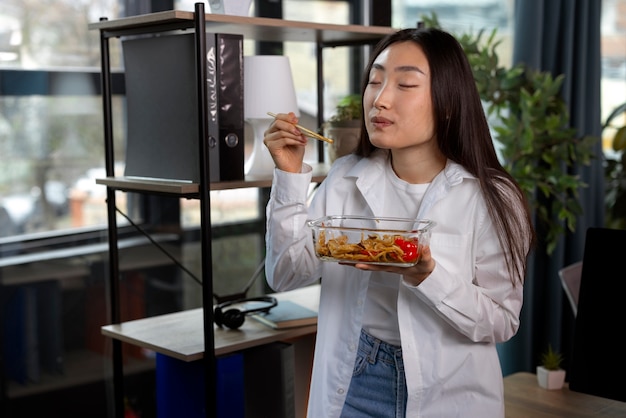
(412, 275)
(286, 143)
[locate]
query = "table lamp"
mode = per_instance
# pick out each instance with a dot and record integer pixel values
(268, 87)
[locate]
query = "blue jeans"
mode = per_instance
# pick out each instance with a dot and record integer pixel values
(378, 385)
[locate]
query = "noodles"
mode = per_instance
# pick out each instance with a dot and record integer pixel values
(362, 239)
(372, 249)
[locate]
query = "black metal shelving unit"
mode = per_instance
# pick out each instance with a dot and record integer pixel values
(203, 194)
(263, 29)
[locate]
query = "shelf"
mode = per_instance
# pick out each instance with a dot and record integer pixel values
(67, 264)
(257, 28)
(184, 340)
(142, 184)
(81, 251)
(80, 367)
(186, 188)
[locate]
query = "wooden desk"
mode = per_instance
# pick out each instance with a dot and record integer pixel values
(180, 334)
(524, 398)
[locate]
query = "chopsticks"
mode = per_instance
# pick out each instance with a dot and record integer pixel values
(308, 132)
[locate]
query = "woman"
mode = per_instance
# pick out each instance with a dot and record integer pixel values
(417, 341)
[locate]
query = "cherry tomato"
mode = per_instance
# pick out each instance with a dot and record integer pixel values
(409, 248)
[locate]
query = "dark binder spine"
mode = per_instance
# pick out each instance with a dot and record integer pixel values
(50, 328)
(213, 106)
(231, 106)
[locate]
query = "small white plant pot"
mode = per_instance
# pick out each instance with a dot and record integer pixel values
(550, 379)
(346, 136)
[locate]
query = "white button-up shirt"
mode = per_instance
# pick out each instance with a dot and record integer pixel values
(449, 324)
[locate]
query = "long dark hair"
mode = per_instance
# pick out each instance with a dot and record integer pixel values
(463, 136)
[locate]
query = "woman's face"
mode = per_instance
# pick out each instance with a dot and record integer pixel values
(397, 100)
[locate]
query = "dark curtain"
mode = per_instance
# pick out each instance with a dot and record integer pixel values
(561, 37)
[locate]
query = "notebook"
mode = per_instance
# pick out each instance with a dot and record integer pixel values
(287, 314)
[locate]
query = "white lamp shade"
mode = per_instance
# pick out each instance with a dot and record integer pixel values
(268, 86)
(230, 7)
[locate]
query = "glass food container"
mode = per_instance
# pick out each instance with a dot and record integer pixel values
(360, 239)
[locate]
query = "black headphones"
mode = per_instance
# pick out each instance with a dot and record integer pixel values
(234, 318)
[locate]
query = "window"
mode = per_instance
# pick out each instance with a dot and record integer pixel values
(458, 17)
(613, 69)
(50, 117)
(461, 16)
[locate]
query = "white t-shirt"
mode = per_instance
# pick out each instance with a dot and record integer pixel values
(400, 200)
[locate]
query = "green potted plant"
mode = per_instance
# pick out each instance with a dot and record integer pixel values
(550, 375)
(614, 170)
(344, 127)
(531, 129)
